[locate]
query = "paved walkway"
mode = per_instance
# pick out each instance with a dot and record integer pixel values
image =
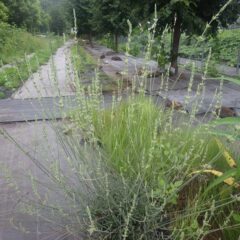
(40, 141)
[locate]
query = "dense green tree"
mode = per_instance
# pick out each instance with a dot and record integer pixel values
(102, 17)
(57, 15)
(24, 13)
(192, 16)
(3, 12)
(113, 15)
(85, 10)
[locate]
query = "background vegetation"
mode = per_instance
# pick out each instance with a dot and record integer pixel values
(110, 17)
(24, 53)
(186, 21)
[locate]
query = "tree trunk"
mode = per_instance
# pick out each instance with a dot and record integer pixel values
(90, 39)
(116, 41)
(175, 44)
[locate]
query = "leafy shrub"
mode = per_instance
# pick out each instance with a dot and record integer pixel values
(2, 95)
(225, 47)
(108, 41)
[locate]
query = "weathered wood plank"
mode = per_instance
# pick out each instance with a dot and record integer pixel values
(48, 108)
(17, 110)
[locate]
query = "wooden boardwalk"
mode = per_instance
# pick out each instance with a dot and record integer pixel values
(18, 110)
(48, 108)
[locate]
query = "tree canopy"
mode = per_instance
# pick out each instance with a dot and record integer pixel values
(112, 16)
(195, 17)
(57, 15)
(96, 17)
(24, 13)
(189, 16)
(3, 12)
(35, 15)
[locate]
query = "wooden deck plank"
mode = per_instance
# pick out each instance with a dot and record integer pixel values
(48, 108)
(17, 110)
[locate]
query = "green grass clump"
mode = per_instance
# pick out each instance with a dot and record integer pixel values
(82, 60)
(152, 191)
(15, 43)
(86, 66)
(141, 138)
(225, 47)
(2, 95)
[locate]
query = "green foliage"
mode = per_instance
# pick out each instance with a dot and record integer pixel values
(84, 13)
(152, 161)
(82, 60)
(16, 44)
(225, 47)
(139, 39)
(113, 15)
(108, 41)
(2, 95)
(3, 13)
(191, 17)
(103, 17)
(29, 13)
(57, 16)
(194, 16)
(86, 67)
